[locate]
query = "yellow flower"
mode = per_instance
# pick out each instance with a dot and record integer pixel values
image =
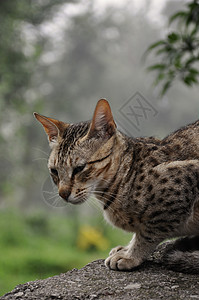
(89, 238)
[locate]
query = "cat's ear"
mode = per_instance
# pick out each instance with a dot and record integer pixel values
(52, 127)
(102, 122)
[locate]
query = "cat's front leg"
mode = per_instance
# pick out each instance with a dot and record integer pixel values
(131, 256)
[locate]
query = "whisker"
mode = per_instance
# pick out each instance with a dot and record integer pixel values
(53, 197)
(48, 192)
(40, 150)
(40, 158)
(102, 202)
(105, 193)
(106, 196)
(56, 201)
(97, 192)
(95, 203)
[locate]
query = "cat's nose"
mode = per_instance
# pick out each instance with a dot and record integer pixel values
(64, 193)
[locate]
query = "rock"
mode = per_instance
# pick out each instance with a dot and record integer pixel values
(151, 281)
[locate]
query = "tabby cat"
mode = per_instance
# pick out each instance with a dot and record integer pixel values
(146, 186)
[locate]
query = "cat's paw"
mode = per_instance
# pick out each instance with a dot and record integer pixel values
(120, 261)
(117, 249)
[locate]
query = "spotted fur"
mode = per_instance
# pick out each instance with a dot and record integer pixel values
(146, 186)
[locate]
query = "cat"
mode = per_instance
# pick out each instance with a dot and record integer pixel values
(181, 144)
(146, 186)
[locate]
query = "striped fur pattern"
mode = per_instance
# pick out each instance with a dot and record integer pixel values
(146, 186)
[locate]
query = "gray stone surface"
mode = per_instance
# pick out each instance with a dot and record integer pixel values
(94, 281)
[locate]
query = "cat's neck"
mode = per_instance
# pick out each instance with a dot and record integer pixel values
(122, 154)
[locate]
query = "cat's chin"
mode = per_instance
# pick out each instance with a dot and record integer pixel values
(76, 201)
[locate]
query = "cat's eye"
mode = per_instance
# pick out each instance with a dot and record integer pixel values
(78, 169)
(53, 172)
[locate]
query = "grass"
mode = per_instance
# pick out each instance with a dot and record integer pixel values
(38, 245)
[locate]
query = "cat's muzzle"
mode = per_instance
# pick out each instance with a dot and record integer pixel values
(68, 197)
(64, 194)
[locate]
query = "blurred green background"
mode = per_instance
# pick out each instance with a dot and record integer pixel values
(58, 58)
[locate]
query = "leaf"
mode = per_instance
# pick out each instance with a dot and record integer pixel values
(194, 71)
(191, 60)
(173, 37)
(194, 79)
(157, 67)
(177, 62)
(189, 80)
(161, 42)
(165, 88)
(180, 14)
(194, 31)
(171, 74)
(193, 13)
(178, 52)
(163, 50)
(160, 77)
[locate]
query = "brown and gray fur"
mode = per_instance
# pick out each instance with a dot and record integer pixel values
(146, 186)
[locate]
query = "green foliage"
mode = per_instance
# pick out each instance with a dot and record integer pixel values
(39, 245)
(16, 64)
(21, 46)
(178, 54)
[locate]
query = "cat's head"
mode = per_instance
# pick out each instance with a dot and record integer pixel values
(80, 158)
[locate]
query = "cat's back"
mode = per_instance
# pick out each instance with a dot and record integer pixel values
(184, 143)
